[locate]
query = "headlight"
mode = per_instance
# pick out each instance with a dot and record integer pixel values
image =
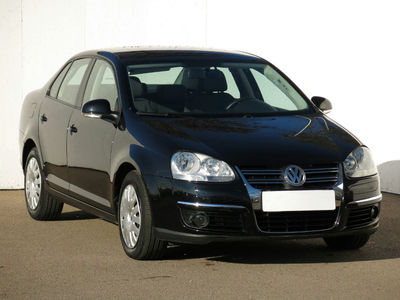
(359, 163)
(199, 167)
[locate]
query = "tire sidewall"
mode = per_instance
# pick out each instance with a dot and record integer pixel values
(133, 178)
(37, 212)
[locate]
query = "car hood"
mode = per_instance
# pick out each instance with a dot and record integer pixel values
(257, 140)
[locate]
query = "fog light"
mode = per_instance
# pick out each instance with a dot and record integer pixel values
(201, 220)
(374, 212)
(195, 219)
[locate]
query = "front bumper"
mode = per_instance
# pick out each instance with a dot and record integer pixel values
(236, 215)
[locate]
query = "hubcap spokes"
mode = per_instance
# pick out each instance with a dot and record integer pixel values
(33, 182)
(130, 216)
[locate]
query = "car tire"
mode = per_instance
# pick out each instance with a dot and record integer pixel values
(135, 220)
(41, 206)
(347, 242)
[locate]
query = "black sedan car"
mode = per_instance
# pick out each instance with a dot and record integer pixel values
(194, 146)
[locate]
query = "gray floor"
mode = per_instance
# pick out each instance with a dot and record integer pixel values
(80, 257)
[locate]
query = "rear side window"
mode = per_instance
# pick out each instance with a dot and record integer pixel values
(70, 85)
(56, 84)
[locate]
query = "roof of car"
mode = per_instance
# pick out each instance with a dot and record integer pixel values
(172, 52)
(133, 49)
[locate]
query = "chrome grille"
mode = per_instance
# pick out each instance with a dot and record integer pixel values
(259, 177)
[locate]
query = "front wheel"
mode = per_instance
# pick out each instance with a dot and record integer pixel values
(347, 242)
(40, 205)
(135, 220)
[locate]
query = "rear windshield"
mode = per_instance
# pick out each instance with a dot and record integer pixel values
(204, 88)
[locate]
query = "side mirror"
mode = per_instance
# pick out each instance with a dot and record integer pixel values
(322, 103)
(99, 109)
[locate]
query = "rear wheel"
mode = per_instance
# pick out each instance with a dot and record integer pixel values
(135, 220)
(38, 202)
(347, 242)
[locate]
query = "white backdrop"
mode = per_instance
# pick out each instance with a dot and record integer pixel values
(347, 51)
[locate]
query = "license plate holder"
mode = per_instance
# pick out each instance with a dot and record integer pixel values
(298, 200)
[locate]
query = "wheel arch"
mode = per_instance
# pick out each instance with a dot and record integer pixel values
(122, 171)
(28, 146)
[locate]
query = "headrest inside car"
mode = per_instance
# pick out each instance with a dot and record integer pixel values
(196, 74)
(138, 89)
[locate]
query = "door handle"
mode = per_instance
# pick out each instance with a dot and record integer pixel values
(43, 118)
(73, 129)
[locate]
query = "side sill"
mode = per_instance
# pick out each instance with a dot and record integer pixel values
(61, 197)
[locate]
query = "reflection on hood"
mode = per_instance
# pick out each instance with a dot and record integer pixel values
(257, 140)
(175, 127)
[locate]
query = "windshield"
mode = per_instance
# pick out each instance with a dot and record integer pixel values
(204, 88)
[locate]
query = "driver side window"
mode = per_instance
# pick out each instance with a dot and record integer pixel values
(102, 85)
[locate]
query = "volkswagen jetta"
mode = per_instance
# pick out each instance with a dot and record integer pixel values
(194, 146)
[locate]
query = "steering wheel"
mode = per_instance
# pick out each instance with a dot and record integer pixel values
(236, 102)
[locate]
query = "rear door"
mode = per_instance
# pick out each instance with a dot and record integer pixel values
(89, 145)
(55, 113)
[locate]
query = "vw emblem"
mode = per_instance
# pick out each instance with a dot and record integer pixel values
(294, 175)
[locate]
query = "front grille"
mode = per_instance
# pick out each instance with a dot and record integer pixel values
(316, 176)
(296, 221)
(360, 216)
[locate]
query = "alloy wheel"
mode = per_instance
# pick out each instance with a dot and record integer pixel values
(130, 216)
(33, 183)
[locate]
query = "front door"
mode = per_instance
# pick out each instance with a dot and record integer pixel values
(89, 142)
